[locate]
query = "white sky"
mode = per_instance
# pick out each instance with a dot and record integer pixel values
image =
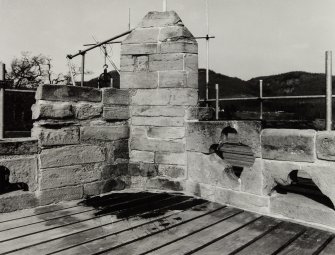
(253, 37)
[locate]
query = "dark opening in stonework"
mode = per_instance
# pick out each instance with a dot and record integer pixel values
(302, 184)
(6, 186)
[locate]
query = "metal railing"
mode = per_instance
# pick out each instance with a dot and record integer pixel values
(328, 96)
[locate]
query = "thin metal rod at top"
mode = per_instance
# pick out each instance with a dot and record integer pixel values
(329, 91)
(207, 51)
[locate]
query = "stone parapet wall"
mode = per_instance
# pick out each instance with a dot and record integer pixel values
(159, 65)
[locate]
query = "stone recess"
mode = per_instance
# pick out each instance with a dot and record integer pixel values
(325, 145)
(211, 169)
(288, 144)
(71, 155)
(67, 93)
(52, 137)
(201, 135)
(50, 110)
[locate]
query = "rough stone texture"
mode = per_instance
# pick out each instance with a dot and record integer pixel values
(121, 151)
(170, 158)
(145, 35)
(54, 137)
(68, 175)
(112, 96)
(151, 97)
(52, 110)
(139, 80)
(67, 93)
(166, 62)
(200, 113)
(61, 194)
(157, 111)
(139, 49)
(100, 187)
(18, 146)
(163, 184)
(211, 169)
(71, 155)
(175, 47)
(325, 145)
(184, 97)
(116, 112)
(85, 111)
(105, 133)
(252, 178)
(143, 169)
(158, 121)
(145, 144)
(17, 200)
(191, 62)
(142, 156)
(160, 19)
(127, 62)
(169, 133)
(288, 144)
(176, 33)
(172, 171)
(298, 207)
(201, 135)
(22, 170)
(243, 200)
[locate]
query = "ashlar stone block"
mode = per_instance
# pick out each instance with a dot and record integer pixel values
(52, 110)
(52, 137)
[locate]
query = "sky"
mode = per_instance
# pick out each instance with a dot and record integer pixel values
(252, 37)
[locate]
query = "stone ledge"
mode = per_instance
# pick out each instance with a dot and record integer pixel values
(288, 144)
(67, 93)
(18, 146)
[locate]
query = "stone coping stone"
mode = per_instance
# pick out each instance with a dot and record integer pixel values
(288, 144)
(18, 146)
(67, 93)
(161, 19)
(325, 145)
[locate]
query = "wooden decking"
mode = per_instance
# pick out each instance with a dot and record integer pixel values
(154, 223)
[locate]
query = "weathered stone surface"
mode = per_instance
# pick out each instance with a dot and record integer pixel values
(104, 133)
(172, 171)
(175, 34)
(18, 146)
(158, 121)
(139, 80)
(301, 208)
(151, 97)
(61, 194)
(166, 132)
(172, 79)
(142, 35)
(113, 171)
(164, 62)
(163, 184)
(67, 93)
(69, 175)
(211, 169)
(161, 19)
(121, 150)
(145, 144)
(202, 190)
(52, 137)
(85, 111)
(139, 49)
(191, 62)
(184, 97)
(143, 169)
(141, 63)
(288, 144)
(176, 47)
(100, 187)
(252, 178)
(201, 135)
(71, 155)
(116, 112)
(142, 156)
(193, 79)
(200, 113)
(17, 200)
(170, 158)
(112, 96)
(156, 111)
(52, 110)
(126, 64)
(242, 200)
(325, 145)
(22, 170)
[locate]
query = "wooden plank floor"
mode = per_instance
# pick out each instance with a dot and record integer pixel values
(154, 223)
